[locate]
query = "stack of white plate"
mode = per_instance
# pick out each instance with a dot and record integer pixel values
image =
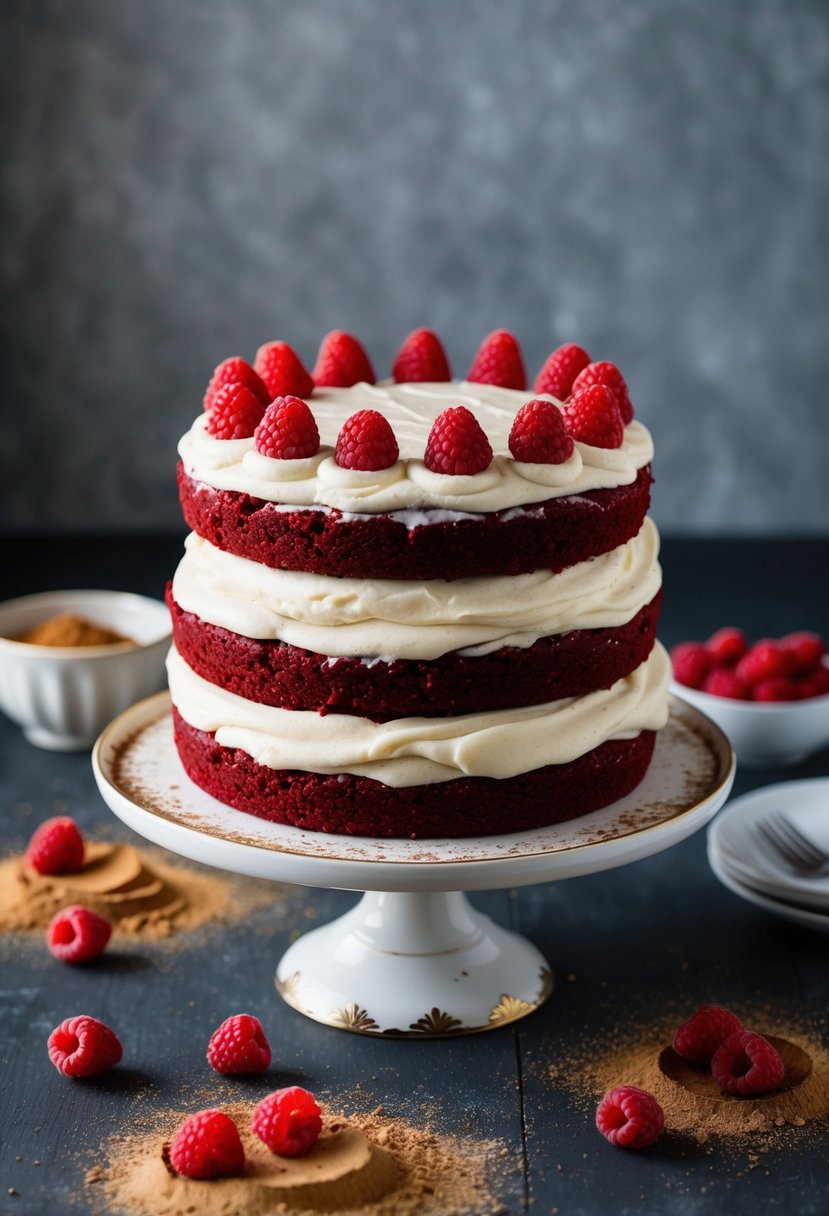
(742, 859)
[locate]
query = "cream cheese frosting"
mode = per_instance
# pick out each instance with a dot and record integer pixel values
(235, 465)
(423, 751)
(415, 619)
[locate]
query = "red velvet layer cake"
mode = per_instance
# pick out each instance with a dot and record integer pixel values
(424, 608)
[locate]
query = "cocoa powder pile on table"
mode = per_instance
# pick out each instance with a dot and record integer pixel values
(694, 1105)
(139, 890)
(363, 1163)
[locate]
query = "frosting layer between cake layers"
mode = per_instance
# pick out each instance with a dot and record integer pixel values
(415, 619)
(421, 751)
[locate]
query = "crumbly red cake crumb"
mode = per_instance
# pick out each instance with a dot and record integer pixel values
(275, 673)
(467, 806)
(550, 535)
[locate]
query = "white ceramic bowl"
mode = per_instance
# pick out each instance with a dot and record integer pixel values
(63, 697)
(765, 734)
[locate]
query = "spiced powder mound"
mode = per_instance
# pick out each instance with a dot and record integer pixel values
(364, 1163)
(138, 890)
(693, 1103)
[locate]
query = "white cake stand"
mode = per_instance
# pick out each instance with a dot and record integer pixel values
(413, 958)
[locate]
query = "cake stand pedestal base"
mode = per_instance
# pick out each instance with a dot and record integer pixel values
(413, 958)
(414, 965)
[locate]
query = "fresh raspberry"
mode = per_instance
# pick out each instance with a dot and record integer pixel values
(592, 416)
(538, 435)
(691, 663)
(288, 430)
(457, 444)
(207, 1145)
(629, 1117)
(699, 1037)
(498, 361)
(814, 685)
(746, 1063)
(238, 1046)
(609, 375)
(727, 646)
(421, 358)
(235, 371)
(77, 934)
(764, 661)
(724, 682)
(235, 413)
(56, 847)
(83, 1046)
(282, 371)
(781, 688)
(803, 652)
(342, 361)
(365, 442)
(288, 1121)
(560, 370)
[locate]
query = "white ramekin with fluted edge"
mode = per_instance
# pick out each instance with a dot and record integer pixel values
(63, 697)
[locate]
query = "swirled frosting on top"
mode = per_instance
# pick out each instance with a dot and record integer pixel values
(235, 465)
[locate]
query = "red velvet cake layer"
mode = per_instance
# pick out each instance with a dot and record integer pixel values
(550, 535)
(467, 806)
(274, 673)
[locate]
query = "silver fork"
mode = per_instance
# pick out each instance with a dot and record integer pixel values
(789, 844)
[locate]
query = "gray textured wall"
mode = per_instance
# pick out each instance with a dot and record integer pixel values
(183, 179)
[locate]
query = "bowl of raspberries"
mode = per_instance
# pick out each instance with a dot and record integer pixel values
(771, 697)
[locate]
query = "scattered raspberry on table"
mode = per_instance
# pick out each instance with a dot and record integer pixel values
(77, 934)
(747, 1063)
(238, 1046)
(288, 1121)
(702, 1033)
(629, 1117)
(207, 1145)
(83, 1047)
(56, 847)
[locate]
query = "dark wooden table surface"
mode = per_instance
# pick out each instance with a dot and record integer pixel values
(661, 931)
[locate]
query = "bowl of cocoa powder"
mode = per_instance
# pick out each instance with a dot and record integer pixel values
(70, 661)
